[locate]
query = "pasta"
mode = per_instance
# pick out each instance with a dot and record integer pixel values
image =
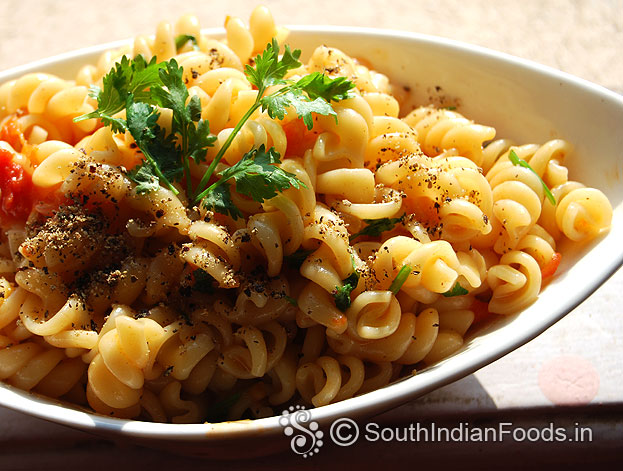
(395, 236)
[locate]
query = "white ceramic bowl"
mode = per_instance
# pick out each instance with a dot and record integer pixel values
(524, 101)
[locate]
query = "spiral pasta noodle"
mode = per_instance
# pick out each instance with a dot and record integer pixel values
(404, 233)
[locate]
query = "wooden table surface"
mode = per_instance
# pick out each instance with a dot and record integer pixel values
(584, 38)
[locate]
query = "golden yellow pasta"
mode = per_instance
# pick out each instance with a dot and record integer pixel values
(200, 229)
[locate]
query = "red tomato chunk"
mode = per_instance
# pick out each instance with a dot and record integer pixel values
(15, 188)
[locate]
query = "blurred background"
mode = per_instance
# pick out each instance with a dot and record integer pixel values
(581, 37)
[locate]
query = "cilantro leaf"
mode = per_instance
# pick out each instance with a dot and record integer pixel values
(319, 89)
(194, 108)
(296, 259)
(375, 227)
(204, 283)
(134, 78)
(219, 199)
(182, 39)
(141, 121)
(457, 290)
(318, 85)
(269, 70)
(311, 94)
(144, 177)
(515, 160)
(276, 105)
(256, 175)
(137, 86)
(199, 139)
(341, 294)
(174, 95)
(161, 152)
(400, 279)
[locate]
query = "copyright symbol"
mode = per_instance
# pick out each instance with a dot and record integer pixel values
(344, 432)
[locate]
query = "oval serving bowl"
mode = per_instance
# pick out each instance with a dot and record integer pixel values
(524, 101)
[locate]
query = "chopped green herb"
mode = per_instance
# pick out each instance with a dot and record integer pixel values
(514, 158)
(449, 108)
(457, 290)
(204, 283)
(219, 411)
(341, 294)
(400, 279)
(291, 300)
(144, 177)
(269, 70)
(296, 259)
(182, 39)
(375, 227)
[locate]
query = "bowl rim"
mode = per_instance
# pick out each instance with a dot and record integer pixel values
(373, 402)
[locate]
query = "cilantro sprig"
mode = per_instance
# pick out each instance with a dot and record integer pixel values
(161, 164)
(375, 227)
(311, 94)
(203, 281)
(256, 175)
(194, 132)
(139, 87)
(182, 39)
(515, 160)
(341, 294)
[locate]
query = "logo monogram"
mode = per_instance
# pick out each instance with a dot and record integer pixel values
(306, 438)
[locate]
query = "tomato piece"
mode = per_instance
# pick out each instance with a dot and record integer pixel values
(16, 187)
(551, 267)
(299, 138)
(11, 133)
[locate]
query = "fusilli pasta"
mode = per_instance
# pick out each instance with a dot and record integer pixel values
(404, 233)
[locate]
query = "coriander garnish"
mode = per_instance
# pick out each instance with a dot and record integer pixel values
(140, 88)
(400, 279)
(375, 227)
(515, 160)
(341, 294)
(457, 290)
